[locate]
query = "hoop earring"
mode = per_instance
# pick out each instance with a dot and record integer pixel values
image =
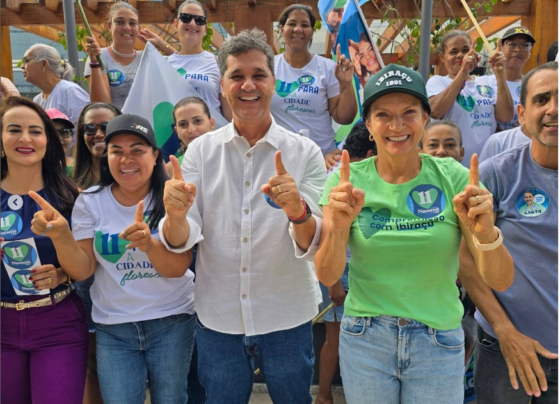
(2, 153)
(370, 137)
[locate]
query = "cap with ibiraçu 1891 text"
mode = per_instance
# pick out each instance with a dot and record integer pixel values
(395, 79)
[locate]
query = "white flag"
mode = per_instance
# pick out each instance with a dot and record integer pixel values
(153, 95)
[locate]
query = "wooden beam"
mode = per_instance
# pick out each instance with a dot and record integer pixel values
(210, 4)
(444, 9)
(217, 40)
(493, 25)
(542, 21)
(247, 17)
(157, 12)
(170, 5)
(6, 50)
(51, 5)
(229, 27)
(252, 3)
(94, 4)
(390, 33)
(43, 31)
(15, 5)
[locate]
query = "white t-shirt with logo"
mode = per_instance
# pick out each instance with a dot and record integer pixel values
(126, 288)
(514, 89)
(68, 97)
(473, 110)
(301, 99)
(202, 72)
(120, 77)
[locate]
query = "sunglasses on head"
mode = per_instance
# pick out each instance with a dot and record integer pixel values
(65, 133)
(90, 129)
(187, 18)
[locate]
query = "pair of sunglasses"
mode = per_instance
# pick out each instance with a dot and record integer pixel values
(187, 18)
(90, 129)
(65, 133)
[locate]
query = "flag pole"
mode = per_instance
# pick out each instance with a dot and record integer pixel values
(88, 29)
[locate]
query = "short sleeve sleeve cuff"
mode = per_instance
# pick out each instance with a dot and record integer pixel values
(310, 253)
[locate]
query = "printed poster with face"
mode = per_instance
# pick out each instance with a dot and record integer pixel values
(20, 258)
(347, 26)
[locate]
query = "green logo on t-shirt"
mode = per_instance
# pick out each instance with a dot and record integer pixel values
(283, 89)
(182, 72)
(371, 222)
(466, 103)
(110, 246)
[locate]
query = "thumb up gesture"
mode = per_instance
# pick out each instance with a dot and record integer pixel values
(345, 201)
(282, 189)
(178, 196)
(47, 221)
(138, 233)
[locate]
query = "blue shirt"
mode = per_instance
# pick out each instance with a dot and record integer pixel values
(17, 213)
(517, 181)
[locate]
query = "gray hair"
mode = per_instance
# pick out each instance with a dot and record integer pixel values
(243, 42)
(60, 67)
(195, 2)
(453, 34)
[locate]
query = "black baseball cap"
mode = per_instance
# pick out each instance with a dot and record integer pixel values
(131, 124)
(519, 31)
(396, 79)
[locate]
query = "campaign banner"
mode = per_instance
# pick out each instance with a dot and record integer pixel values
(153, 95)
(20, 258)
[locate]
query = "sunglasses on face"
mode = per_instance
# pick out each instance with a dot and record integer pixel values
(187, 18)
(65, 133)
(90, 129)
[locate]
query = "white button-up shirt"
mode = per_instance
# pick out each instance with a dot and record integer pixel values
(251, 277)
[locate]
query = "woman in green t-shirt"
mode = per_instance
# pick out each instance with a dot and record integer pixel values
(403, 215)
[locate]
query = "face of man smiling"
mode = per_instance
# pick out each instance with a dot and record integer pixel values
(248, 86)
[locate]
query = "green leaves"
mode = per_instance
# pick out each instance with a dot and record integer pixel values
(479, 44)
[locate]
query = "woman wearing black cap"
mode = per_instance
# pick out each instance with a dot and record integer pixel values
(145, 322)
(403, 215)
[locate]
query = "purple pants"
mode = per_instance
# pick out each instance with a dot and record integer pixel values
(44, 353)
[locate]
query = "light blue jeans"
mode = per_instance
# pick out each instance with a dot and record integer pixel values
(226, 367)
(392, 360)
(158, 351)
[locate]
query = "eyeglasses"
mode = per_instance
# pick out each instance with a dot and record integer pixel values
(187, 18)
(523, 46)
(90, 129)
(65, 133)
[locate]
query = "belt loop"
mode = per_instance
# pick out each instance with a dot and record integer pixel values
(430, 330)
(368, 321)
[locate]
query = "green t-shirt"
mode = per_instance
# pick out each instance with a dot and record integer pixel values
(405, 244)
(181, 158)
(69, 170)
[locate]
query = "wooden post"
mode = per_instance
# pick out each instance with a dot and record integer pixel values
(6, 50)
(247, 17)
(543, 24)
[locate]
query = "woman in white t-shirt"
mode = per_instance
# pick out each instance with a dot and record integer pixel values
(44, 67)
(310, 89)
(145, 320)
(474, 104)
(195, 65)
(112, 84)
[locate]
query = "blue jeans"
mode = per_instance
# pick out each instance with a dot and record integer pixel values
(158, 351)
(392, 360)
(226, 370)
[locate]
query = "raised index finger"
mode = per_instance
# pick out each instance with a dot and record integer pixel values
(500, 45)
(139, 216)
(43, 204)
(344, 167)
(474, 175)
(338, 52)
(280, 169)
(177, 175)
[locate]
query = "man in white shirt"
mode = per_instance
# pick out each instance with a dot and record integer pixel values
(251, 190)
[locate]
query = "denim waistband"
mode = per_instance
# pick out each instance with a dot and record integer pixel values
(393, 321)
